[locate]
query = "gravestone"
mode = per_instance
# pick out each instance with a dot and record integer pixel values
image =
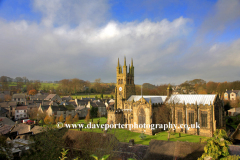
(131, 142)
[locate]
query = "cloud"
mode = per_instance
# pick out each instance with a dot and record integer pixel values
(77, 39)
(223, 14)
(72, 12)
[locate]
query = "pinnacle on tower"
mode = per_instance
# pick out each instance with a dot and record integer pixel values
(131, 62)
(118, 63)
(124, 61)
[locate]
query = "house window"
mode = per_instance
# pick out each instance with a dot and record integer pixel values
(17, 111)
(180, 117)
(25, 111)
(18, 99)
(232, 94)
(191, 118)
(17, 115)
(204, 119)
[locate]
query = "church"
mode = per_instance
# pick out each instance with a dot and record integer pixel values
(129, 108)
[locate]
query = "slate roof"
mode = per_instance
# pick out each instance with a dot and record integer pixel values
(21, 107)
(82, 102)
(234, 150)
(230, 91)
(89, 99)
(45, 107)
(3, 111)
(7, 104)
(168, 150)
(58, 108)
(19, 96)
(53, 103)
(21, 128)
(154, 99)
(50, 96)
(7, 121)
(25, 128)
(192, 98)
(79, 108)
(111, 100)
(4, 129)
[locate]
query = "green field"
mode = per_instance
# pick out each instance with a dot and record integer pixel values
(124, 135)
(50, 85)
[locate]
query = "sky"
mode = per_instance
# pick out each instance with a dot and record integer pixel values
(170, 41)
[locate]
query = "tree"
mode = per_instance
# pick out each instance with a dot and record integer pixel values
(56, 120)
(52, 119)
(88, 116)
(48, 145)
(4, 83)
(5, 149)
(61, 118)
(32, 92)
(217, 146)
(69, 119)
(47, 119)
(97, 85)
(7, 98)
(93, 111)
(76, 118)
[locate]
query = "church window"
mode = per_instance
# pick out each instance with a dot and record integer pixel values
(141, 116)
(180, 121)
(204, 119)
(191, 118)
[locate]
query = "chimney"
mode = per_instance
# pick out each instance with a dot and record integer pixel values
(89, 104)
(30, 127)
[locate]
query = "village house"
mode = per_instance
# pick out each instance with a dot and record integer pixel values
(53, 97)
(19, 98)
(66, 98)
(10, 106)
(39, 96)
(231, 95)
(21, 112)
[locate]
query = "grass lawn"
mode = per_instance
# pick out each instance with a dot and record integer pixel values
(125, 135)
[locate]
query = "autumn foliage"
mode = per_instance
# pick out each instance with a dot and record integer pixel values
(88, 116)
(69, 120)
(32, 92)
(47, 119)
(61, 118)
(75, 119)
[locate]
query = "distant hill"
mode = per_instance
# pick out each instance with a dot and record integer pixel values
(149, 86)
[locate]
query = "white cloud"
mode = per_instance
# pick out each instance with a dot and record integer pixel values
(54, 49)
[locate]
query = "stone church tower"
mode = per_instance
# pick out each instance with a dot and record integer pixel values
(125, 86)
